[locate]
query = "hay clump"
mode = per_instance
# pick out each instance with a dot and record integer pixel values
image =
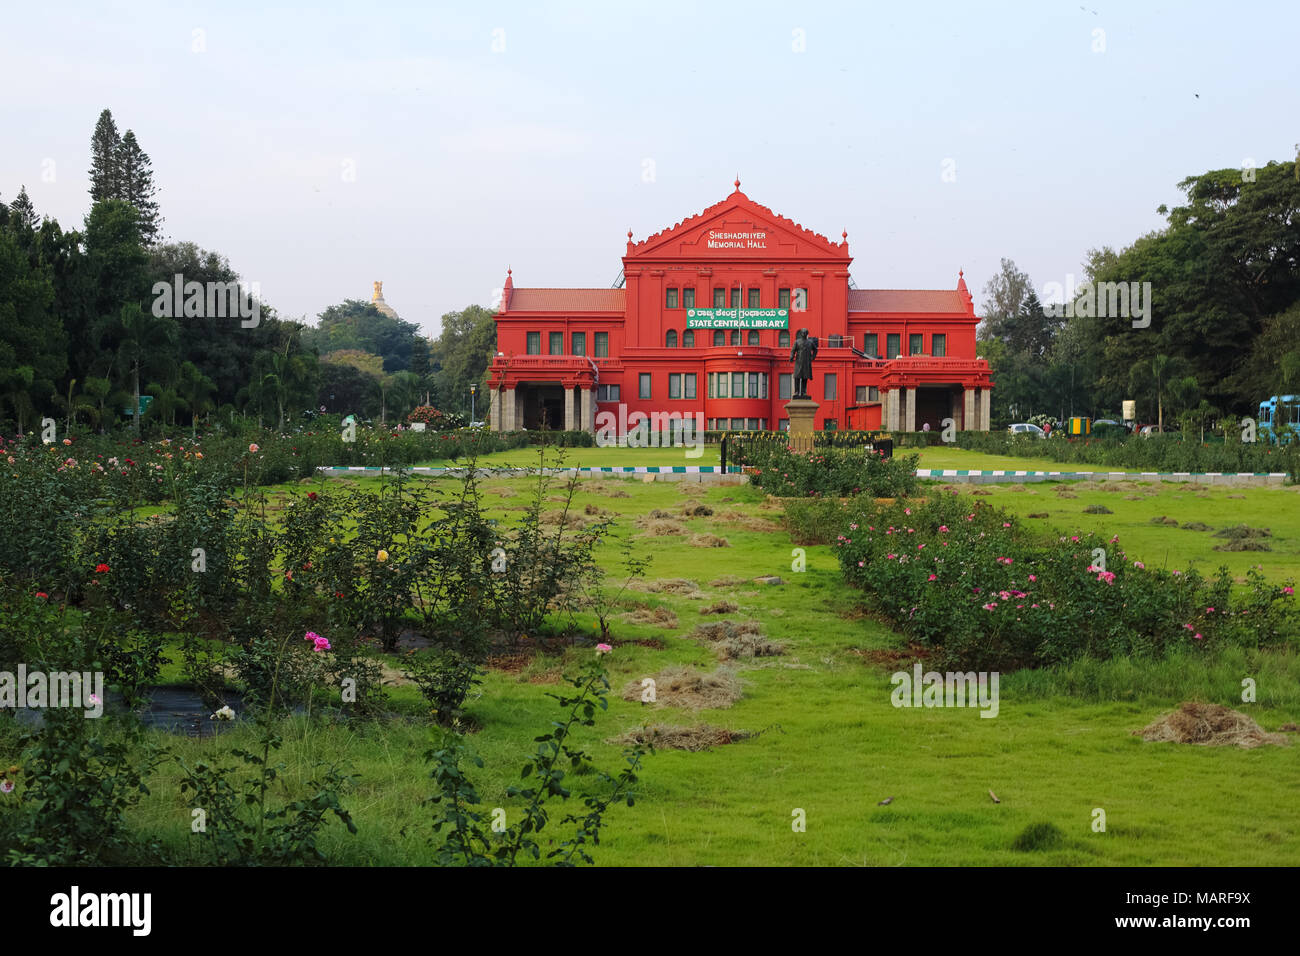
(693, 739)
(709, 541)
(501, 491)
(689, 688)
(1242, 544)
(1243, 531)
(728, 581)
(1197, 526)
(1040, 514)
(653, 617)
(1210, 725)
(720, 607)
(1097, 510)
(563, 519)
(737, 640)
(748, 522)
(683, 586)
(694, 509)
(1162, 519)
(652, 527)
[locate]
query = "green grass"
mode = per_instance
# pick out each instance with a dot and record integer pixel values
(833, 745)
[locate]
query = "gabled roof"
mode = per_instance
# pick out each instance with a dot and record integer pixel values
(566, 300)
(735, 202)
(907, 300)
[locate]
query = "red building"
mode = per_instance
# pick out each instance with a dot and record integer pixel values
(702, 324)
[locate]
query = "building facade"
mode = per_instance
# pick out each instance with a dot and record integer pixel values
(701, 329)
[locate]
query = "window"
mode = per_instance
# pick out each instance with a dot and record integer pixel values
(830, 425)
(751, 424)
(830, 387)
(688, 339)
(783, 424)
(670, 339)
(688, 298)
(689, 382)
(579, 343)
(671, 302)
(914, 344)
(753, 298)
(784, 384)
(534, 343)
(752, 337)
(719, 298)
(783, 298)
(783, 339)
(602, 345)
(737, 384)
(723, 378)
(735, 336)
(938, 345)
(735, 298)
(860, 394)
(800, 300)
(873, 393)
(557, 343)
(713, 387)
(607, 393)
(762, 386)
(645, 385)
(737, 424)
(753, 385)
(675, 385)
(719, 337)
(892, 341)
(871, 344)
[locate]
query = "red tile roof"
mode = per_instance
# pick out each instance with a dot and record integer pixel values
(906, 300)
(566, 300)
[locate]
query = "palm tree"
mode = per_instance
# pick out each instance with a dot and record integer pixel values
(196, 391)
(1155, 373)
(14, 383)
(282, 376)
(145, 342)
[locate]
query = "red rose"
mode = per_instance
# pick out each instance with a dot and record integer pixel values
(101, 569)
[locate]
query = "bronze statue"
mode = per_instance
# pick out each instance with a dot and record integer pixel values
(802, 354)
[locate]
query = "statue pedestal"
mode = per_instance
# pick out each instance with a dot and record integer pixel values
(801, 412)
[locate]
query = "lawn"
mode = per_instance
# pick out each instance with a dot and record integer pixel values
(829, 741)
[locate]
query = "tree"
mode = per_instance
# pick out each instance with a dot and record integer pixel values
(1154, 376)
(461, 355)
(356, 325)
(23, 209)
(137, 187)
(145, 343)
(284, 375)
(1006, 293)
(195, 390)
(104, 173)
(33, 347)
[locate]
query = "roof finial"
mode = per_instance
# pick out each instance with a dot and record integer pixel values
(737, 182)
(960, 273)
(845, 235)
(509, 271)
(629, 235)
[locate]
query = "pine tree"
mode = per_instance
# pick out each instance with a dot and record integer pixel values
(104, 158)
(24, 210)
(136, 186)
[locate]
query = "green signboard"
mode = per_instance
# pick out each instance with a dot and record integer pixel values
(737, 318)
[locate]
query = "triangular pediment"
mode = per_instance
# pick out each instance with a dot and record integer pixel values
(737, 228)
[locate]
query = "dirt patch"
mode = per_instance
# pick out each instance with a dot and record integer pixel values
(668, 586)
(689, 688)
(501, 491)
(728, 581)
(653, 617)
(1197, 526)
(694, 509)
(651, 642)
(1040, 514)
(709, 541)
(1243, 531)
(891, 658)
(1064, 493)
(563, 519)
(694, 739)
(595, 510)
(1210, 725)
(721, 607)
(1162, 519)
(748, 522)
(981, 491)
(1097, 510)
(660, 527)
(616, 493)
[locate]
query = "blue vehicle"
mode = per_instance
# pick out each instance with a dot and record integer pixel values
(1279, 418)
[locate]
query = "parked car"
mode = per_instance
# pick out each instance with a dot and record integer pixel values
(1025, 428)
(1146, 431)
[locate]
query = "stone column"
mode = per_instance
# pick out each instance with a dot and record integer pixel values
(968, 422)
(508, 419)
(986, 407)
(891, 410)
(802, 413)
(568, 409)
(494, 411)
(909, 420)
(588, 423)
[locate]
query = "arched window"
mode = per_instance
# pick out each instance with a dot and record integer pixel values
(688, 339)
(719, 337)
(783, 339)
(752, 337)
(670, 340)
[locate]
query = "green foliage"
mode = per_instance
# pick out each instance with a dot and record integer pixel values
(445, 678)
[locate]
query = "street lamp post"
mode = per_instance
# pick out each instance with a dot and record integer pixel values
(473, 390)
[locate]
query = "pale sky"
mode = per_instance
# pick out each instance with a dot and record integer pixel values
(323, 146)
